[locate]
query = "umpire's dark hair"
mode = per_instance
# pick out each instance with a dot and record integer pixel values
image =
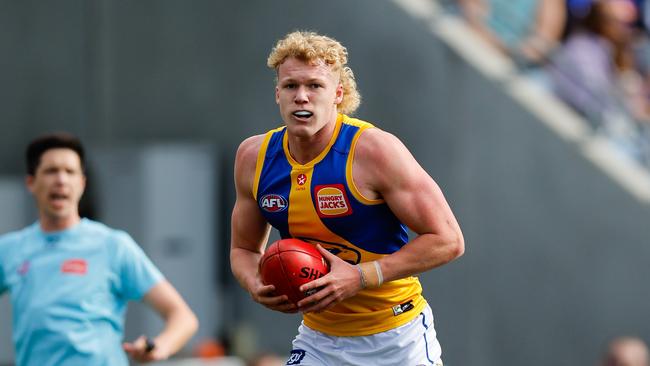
(59, 140)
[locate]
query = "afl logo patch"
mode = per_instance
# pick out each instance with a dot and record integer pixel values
(273, 203)
(332, 201)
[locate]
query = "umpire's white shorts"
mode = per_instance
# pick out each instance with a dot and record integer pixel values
(412, 344)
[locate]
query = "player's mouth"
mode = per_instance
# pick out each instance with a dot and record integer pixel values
(58, 198)
(302, 114)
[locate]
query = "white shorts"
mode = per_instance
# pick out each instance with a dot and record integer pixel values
(412, 344)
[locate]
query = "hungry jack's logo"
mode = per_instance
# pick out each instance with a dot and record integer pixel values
(332, 201)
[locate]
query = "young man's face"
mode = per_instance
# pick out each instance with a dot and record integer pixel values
(57, 184)
(307, 96)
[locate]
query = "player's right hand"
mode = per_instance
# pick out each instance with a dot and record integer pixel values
(264, 295)
(342, 282)
(144, 350)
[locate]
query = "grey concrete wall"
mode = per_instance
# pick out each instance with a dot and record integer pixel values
(556, 251)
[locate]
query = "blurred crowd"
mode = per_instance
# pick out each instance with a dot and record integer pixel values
(593, 54)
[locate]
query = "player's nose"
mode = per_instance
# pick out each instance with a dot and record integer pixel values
(301, 95)
(60, 177)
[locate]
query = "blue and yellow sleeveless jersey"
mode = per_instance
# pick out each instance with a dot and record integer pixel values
(319, 203)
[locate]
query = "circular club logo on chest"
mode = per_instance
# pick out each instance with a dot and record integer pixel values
(301, 179)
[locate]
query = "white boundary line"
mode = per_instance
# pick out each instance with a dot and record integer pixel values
(556, 115)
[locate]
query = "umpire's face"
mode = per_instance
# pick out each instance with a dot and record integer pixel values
(57, 184)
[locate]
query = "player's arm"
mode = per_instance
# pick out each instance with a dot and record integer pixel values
(547, 31)
(415, 199)
(250, 231)
(180, 325)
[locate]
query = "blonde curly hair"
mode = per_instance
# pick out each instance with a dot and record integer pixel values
(312, 47)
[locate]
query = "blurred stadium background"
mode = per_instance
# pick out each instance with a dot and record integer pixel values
(163, 91)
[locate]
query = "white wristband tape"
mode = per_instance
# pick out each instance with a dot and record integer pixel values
(362, 276)
(380, 275)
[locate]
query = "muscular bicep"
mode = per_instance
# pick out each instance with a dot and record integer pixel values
(418, 202)
(249, 229)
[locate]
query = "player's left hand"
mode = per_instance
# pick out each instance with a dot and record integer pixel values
(142, 351)
(342, 281)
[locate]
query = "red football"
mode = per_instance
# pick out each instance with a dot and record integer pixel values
(287, 264)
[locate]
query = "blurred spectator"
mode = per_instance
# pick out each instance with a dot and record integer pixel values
(525, 30)
(596, 71)
(626, 351)
(602, 68)
(587, 67)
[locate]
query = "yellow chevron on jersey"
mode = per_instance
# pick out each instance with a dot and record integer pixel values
(319, 203)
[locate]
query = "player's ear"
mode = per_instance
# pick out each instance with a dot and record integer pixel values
(84, 180)
(277, 95)
(29, 182)
(339, 94)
